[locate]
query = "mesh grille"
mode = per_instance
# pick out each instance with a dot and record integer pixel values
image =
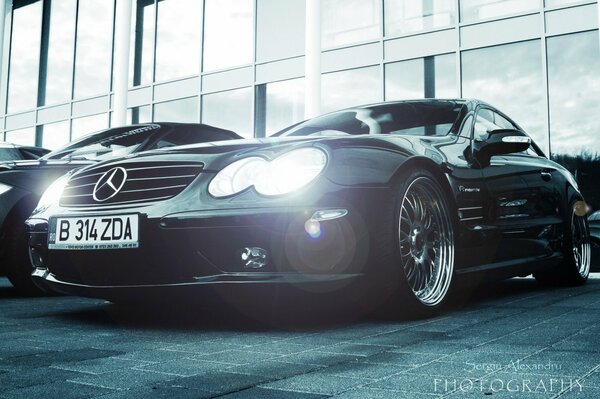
(146, 182)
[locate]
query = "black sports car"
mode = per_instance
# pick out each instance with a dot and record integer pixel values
(23, 182)
(395, 199)
(16, 152)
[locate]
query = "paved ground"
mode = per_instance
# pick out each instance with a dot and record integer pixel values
(512, 339)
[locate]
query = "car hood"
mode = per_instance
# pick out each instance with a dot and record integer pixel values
(41, 164)
(216, 155)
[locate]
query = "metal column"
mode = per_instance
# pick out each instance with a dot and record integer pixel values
(121, 67)
(312, 60)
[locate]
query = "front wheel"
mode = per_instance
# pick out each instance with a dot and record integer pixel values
(424, 245)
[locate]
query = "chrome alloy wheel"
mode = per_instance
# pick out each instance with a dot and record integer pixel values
(426, 241)
(581, 245)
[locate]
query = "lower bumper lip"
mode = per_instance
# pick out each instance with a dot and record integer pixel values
(43, 276)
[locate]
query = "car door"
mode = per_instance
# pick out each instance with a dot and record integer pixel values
(521, 199)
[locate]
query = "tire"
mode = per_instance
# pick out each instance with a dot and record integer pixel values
(18, 267)
(419, 246)
(575, 268)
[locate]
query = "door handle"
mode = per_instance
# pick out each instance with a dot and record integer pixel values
(546, 176)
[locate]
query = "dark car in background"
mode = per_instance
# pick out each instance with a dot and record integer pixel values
(23, 182)
(395, 200)
(16, 152)
(594, 220)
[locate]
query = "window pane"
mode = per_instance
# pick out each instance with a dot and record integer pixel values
(445, 76)
(279, 29)
(349, 21)
(55, 135)
(349, 88)
(475, 10)
(142, 43)
(88, 124)
(405, 16)
(178, 38)
(184, 110)
(139, 114)
(574, 92)
(229, 110)
(510, 78)
(406, 79)
(285, 104)
(94, 48)
(24, 57)
(61, 42)
(21, 136)
(558, 3)
(227, 33)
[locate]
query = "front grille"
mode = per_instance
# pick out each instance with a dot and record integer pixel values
(146, 182)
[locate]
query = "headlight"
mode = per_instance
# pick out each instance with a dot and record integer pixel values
(4, 188)
(285, 174)
(52, 194)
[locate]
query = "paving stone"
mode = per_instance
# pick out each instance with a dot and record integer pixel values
(363, 370)
(25, 378)
(403, 358)
(411, 383)
(122, 379)
(218, 381)
(63, 390)
(316, 382)
(317, 358)
(274, 369)
(99, 366)
(237, 357)
(184, 367)
(372, 393)
(264, 393)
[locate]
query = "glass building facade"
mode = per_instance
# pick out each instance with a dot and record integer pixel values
(239, 64)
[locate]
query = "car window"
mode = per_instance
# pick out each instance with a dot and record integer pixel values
(406, 118)
(484, 123)
(502, 122)
(465, 130)
(32, 153)
(9, 154)
(191, 134)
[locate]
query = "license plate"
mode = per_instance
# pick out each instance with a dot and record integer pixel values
(99, 232)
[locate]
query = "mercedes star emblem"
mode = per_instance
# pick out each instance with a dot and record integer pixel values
(109, 184)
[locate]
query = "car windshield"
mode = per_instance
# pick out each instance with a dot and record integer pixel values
(9, 154)
(418, 118)
(129, 139)
(105, 145)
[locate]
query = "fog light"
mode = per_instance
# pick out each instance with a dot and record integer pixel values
(254, 257)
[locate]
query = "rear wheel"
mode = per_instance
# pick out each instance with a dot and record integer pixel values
(423, 245)
(575, 268)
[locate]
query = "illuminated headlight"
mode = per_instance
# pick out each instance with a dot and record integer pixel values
(285, 174)
(52, 194)
(4, 188)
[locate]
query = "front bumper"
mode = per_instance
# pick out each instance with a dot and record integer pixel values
(193, 249)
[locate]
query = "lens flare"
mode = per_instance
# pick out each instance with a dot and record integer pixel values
(313, 228)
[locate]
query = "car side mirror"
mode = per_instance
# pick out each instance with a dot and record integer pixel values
(500, 142)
